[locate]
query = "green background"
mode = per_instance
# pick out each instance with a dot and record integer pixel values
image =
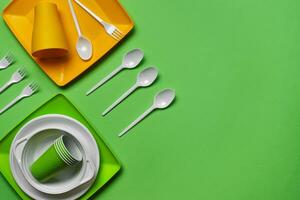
(233, 132)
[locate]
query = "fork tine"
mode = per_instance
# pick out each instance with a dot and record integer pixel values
(119, 31)
(118, 34)
(32, 85)
(35, 87)
(118, 37)
(20, 71)
(115, 37)
(9, 57)
(23, 72)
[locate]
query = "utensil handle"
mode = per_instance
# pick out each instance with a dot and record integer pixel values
(121, 98)
(5, 86)
(140, 118)
(101, 21)
(13, 102)
(113, 73)
(74, 17)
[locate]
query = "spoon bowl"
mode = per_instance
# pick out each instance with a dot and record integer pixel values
(132, 58)
(84, 48)
(147, 77)
(164, 98)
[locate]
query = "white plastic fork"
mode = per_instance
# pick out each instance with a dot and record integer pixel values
(109, 28)
(6, 61)
(26, 92)
(15, 78)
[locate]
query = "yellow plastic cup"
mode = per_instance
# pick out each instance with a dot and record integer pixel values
(48, 36)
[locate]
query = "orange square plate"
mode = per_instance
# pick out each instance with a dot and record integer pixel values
(19, 17)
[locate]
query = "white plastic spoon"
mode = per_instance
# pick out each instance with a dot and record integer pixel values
(130, 61)
(83, 46)
(162, 100)
(144, 79)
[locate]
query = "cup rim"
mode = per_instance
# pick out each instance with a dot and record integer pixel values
(45, 53)
(63, 149)
(61, 155)
(71, 148)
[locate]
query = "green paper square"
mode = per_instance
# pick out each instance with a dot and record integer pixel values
(60, 105)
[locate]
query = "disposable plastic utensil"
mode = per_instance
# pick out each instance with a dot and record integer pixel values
(15, 78)
(109, 28)
(144, 79)
(130, 61)
(26, 92)
(162, 100)
(83, 46)
(7, 60)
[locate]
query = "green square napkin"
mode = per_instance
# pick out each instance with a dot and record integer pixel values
(109, 165)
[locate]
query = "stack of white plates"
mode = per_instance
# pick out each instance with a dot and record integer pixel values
(35, 138)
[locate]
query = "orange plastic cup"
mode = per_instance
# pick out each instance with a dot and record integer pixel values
(48, 36)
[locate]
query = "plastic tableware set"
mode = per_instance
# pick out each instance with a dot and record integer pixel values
(55, 156)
